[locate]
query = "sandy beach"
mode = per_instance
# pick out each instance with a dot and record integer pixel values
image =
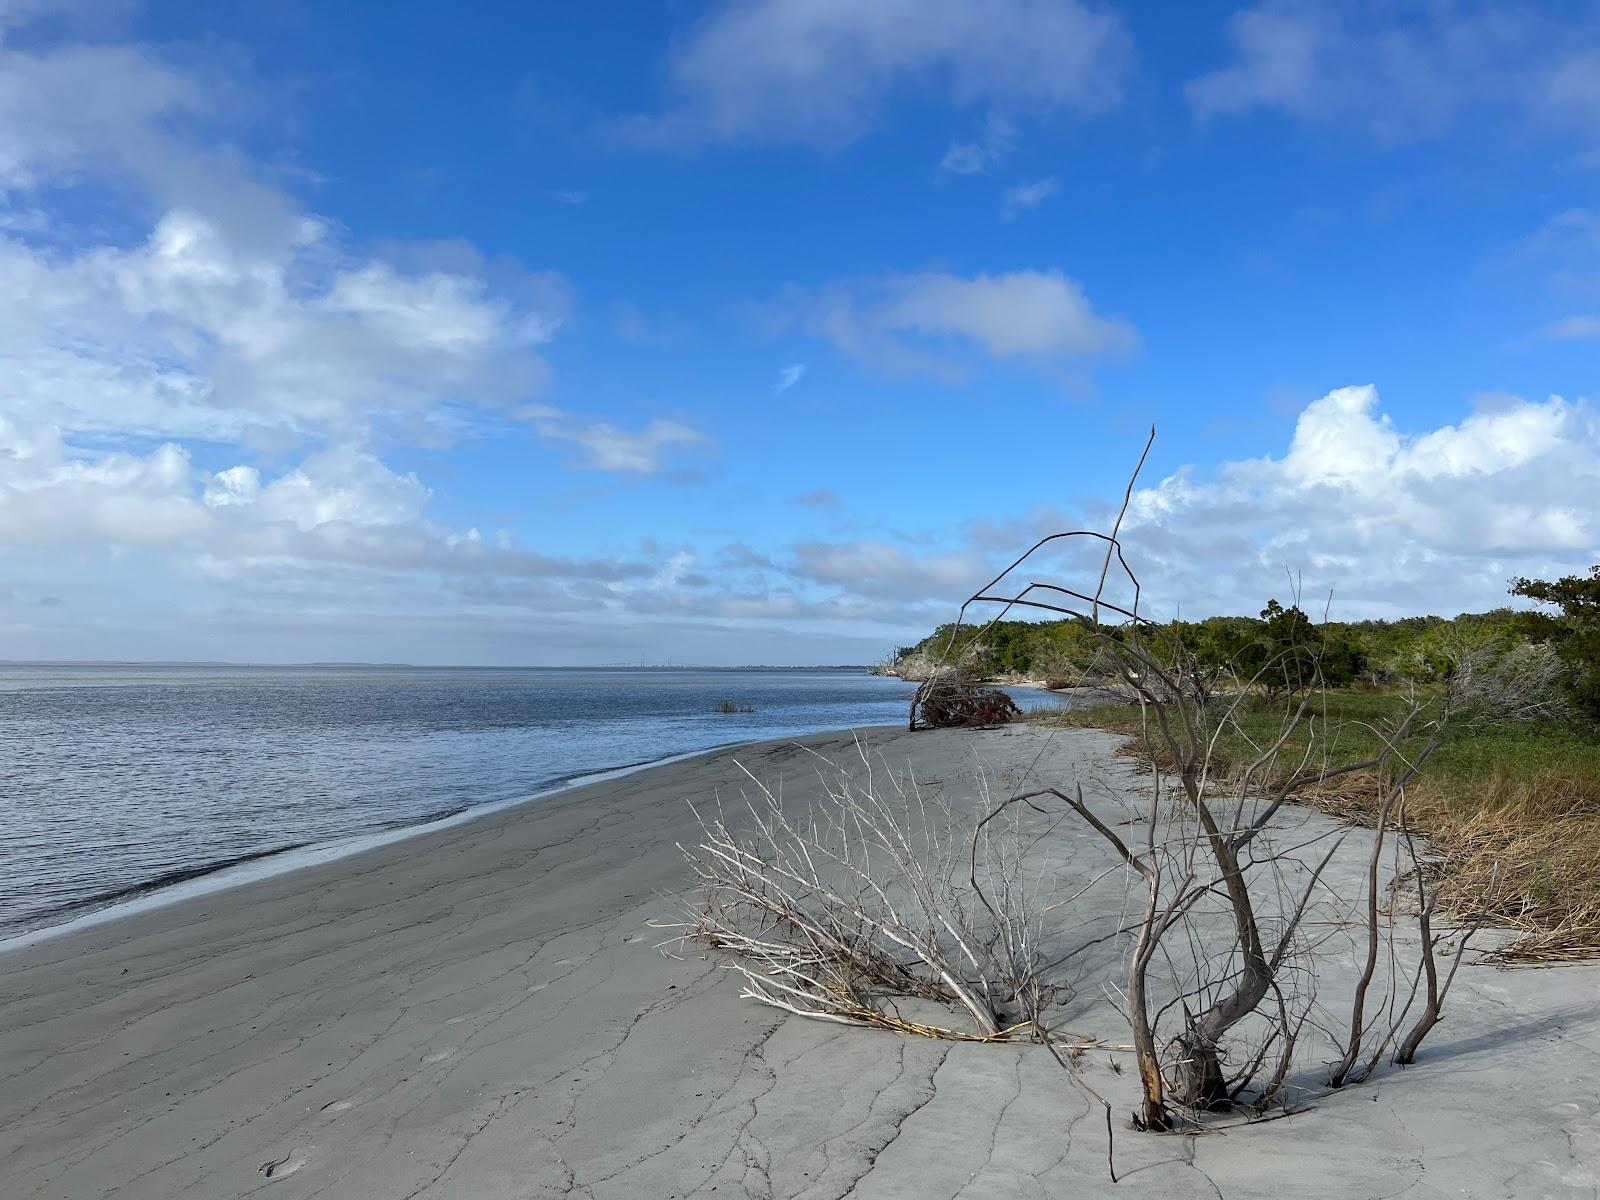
(485, 1011)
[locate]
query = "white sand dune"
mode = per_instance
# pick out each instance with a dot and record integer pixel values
(482, 1012)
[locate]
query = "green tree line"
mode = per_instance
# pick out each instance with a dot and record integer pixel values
(1288, 648)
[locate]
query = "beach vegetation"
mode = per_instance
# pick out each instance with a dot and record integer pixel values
(1375, 653)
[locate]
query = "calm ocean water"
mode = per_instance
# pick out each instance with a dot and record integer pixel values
(120, 779)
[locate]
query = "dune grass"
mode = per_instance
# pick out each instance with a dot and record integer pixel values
(1511, 811)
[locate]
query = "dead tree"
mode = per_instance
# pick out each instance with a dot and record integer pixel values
(837, 913)
(1214, 858)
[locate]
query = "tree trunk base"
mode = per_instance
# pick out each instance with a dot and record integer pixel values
(1198, 1082)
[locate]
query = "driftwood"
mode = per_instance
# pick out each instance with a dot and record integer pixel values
(946, 702)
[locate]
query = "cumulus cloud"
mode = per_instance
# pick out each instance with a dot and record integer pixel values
(48, 495)
(340, 507)
(820, 71)
(238, 318)
(346, 485)
(191, 335)
(1405, 69)
(123, 112)
(1020, 313)
(922, 323)
(1392, 524)
(56, 493)
(235, 486)
(1025, 197)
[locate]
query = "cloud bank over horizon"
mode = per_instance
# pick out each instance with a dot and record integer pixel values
(1386, 524)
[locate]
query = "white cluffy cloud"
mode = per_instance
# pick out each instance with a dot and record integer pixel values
(344, 486)
(54, 494)
(916, 323)
(1390, 523)
(231, 315)
(114, 112)
(820, 71)
(338, 508)
(1407, 69)
(192, 335)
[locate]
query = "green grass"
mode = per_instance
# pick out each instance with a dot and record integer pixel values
(1517, 749)
(1350, 725)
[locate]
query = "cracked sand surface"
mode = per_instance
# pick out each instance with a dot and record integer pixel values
(481, 1012)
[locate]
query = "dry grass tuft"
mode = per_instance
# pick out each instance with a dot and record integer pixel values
(1536, 838)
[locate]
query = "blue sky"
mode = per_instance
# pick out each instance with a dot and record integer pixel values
(537, 333)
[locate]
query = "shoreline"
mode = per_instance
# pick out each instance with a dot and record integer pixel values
(267, 864)
(211, 878)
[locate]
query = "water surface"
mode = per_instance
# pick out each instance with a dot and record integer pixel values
(117, 779)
